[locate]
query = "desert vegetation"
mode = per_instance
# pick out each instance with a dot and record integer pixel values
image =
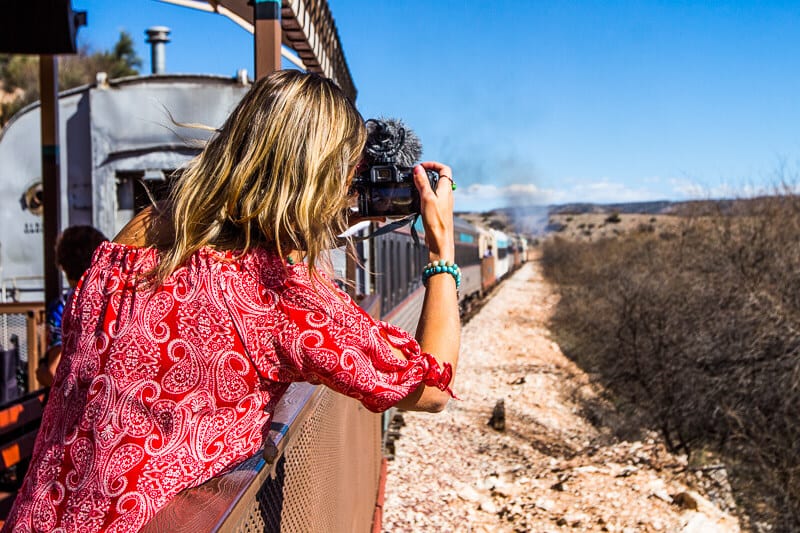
(695, 331)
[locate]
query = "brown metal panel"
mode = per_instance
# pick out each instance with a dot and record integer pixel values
(267, 44)
(34, 352)
(307, 25)
(15, 308)
(51, 172)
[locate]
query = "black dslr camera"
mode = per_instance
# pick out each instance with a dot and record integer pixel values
(385, 186)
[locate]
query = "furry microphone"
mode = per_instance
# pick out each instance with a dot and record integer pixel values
(389, 141)
(385, 185)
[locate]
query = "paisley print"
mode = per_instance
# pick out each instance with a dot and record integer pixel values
(161, 389)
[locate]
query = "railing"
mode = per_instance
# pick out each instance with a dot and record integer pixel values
(320, 471)
(22, 329)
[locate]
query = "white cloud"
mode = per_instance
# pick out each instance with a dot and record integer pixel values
(691, 190)
(605, 191)
(487, 196)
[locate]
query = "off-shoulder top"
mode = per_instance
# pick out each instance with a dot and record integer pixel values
(161, 389)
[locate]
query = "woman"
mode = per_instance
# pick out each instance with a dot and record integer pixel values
(186, 330)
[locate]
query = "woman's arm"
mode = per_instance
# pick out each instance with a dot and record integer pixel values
(439, 327)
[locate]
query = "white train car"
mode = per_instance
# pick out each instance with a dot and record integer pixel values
(503, 256)
(118, 143)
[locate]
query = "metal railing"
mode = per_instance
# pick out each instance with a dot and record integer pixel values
(22, 328)
(320, 471)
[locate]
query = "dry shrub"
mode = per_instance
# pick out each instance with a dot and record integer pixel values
(698, 336)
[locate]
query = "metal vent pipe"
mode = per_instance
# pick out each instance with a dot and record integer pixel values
(157, 37)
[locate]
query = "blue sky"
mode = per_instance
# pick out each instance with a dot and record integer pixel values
(541, 102)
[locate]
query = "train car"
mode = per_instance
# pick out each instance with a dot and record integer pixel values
(515, 251)
(468, 258)
(119, 146)
(523, 249)
(486, 249)
(502, 259)
(398, 263)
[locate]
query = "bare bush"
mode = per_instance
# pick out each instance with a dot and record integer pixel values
(698, 335)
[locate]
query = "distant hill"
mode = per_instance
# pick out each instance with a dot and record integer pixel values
(536, 220)
(644, 208)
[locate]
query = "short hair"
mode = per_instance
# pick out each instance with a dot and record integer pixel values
(74, 249)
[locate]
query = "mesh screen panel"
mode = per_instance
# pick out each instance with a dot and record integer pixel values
(22, 330)
(14, 333)
(327, 478)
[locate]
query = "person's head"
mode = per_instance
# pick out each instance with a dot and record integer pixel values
(276, 174)
(74, 249)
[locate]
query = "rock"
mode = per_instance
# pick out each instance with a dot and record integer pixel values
(545, 504)
(489, 482)
(498, 419)
(488, 506)
(506, 489)
(627, 471)
(576, 520)
(687, 500)
(700, 523)
(467, 493)
(658, 489)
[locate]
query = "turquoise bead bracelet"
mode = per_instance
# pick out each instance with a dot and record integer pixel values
(442, 267)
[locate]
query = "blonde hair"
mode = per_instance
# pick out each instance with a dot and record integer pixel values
(275, 175)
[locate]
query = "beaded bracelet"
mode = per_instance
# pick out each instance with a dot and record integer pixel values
(441, 267)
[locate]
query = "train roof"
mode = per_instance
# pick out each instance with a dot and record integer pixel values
(130, 81)
(462, 225)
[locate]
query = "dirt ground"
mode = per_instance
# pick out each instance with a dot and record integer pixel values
(548, 468)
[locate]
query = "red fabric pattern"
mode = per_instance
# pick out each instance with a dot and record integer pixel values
(158, 391)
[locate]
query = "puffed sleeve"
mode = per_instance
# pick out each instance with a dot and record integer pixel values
(329, 339)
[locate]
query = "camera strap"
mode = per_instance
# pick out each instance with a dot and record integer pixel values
(399, 223)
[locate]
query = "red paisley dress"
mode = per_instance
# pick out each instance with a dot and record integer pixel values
(158, 391)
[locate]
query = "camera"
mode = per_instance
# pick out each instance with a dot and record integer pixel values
(385, 187)
(389, 191)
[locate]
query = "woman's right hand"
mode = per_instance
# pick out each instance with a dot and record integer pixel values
(439, 327)
(436, 208)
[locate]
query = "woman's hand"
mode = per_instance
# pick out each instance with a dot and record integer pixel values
(439, 327)
(436, 208)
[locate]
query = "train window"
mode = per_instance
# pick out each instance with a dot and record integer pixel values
(384, 275)
(394, 266)
(136, 189)
(408, 266)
